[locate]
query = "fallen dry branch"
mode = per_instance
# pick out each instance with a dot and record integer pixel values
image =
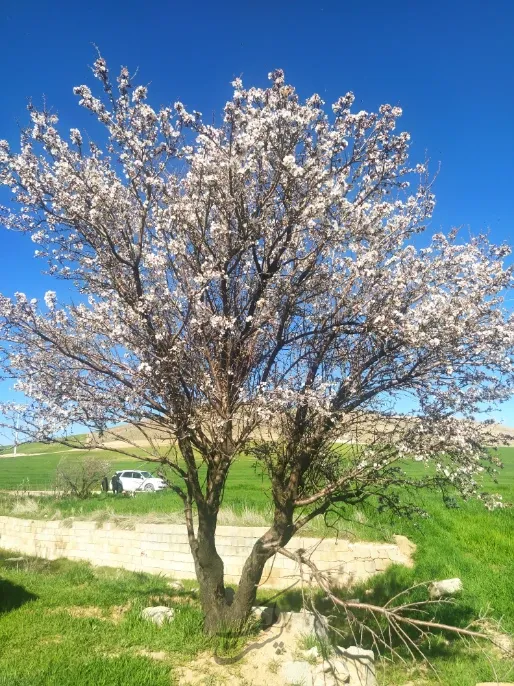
(394, 616)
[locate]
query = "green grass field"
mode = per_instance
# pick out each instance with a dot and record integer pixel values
(36, 470)
(63, 623)
(467, 541)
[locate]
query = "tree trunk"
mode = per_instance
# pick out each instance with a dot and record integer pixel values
(249, 582)
(210, 574)
(220, 616)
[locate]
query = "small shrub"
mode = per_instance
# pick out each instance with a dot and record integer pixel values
(80, 477)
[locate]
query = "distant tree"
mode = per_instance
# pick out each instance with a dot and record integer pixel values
(259, 286)
(80, 477)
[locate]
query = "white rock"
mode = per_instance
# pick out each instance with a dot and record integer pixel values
(445, 587)
(258, 611)
(355, 652)
(176, 585)
(333, 670)
(158, 615)
(327, 680)
(359, 664)
(304, 623)
(296, 672)
(340, 669)
(323, 668)
(310, 654)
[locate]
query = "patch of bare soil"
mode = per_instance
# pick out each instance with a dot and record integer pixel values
(153, 655)
(160, 655)
(167, 600)
(51, 640)
(114, 614)
(503, 644)
(117, 612)
(258, 664)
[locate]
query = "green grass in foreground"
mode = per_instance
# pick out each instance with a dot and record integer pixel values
(64, 622)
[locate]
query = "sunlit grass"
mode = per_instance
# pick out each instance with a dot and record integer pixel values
(67, 623)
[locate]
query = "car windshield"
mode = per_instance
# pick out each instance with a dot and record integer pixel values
(146, 475)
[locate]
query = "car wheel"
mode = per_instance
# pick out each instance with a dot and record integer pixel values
(149, 487)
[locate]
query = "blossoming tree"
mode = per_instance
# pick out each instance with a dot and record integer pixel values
(254, 287)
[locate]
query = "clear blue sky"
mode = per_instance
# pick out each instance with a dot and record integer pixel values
(448, 64)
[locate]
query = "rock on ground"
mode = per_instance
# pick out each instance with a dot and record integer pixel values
(296, 672)
(176, 585)
(304, 623)
(158, 615)
(445, 587)
(333, 671)
(353, 666)
(327, 680)
(360, 665)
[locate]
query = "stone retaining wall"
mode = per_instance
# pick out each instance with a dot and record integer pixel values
(163, 549)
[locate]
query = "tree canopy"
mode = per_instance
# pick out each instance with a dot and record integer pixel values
(265, 285)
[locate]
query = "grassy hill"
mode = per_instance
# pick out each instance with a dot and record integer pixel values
(35, 468)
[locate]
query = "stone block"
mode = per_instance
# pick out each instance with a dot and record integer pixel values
(305, 623)
(381, 564)
(86, 526)
(158, 615)
(359, 664)
(165, 548)
(361, 551)
(370, 566)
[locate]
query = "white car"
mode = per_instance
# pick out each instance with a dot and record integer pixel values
(140, 481)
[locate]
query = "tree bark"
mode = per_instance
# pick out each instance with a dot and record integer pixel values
(210, 574)
(251, 575)
(220, 615)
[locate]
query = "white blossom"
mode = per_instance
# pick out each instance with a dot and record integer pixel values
(256, 275)
(50, 299)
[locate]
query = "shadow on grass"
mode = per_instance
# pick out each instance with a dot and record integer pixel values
(13, 596)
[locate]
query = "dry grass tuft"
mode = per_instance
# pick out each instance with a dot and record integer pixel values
(24, 506)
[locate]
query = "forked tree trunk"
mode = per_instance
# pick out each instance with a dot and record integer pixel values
(220, 616)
